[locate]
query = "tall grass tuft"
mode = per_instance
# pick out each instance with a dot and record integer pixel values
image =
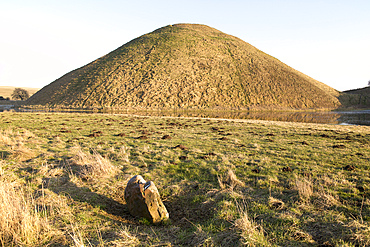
(93, 165)
(124, 154)
(229, 180)
(77, 237)
(21, 222)
(252, 233)
(304, 187)
(5, 139)
(360, 232)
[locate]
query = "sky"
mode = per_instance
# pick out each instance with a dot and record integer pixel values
(41, 40)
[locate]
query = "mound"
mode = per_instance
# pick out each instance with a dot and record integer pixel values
(187, 66)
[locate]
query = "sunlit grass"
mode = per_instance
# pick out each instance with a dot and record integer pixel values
(224, 183)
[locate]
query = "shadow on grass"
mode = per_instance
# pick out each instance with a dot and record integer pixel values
(115, 210)
(186, 213)
(182, 208)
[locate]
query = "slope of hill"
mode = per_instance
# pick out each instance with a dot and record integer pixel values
(187, 66)
(357, 98)
(6, 91)
(362, 91)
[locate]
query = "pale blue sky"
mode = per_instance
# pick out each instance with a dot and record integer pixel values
(42, 40)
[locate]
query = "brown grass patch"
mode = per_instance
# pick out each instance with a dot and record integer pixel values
(252, 233)
(304, 186)
(15, 142)
(21, 221)
(93, 165)
(360, 232)
(229, 180)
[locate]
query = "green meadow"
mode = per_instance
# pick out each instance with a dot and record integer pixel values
(224, 182)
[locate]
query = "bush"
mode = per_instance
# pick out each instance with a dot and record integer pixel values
(20, 94)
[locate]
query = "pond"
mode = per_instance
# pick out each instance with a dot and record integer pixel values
(357, 117)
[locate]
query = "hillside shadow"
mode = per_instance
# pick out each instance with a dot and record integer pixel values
(356, 99)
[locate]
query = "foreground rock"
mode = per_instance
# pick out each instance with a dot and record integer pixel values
(143, 200)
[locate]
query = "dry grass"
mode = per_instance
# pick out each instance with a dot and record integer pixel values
(360, 232)
(276, 203)
(124, 154)
(230, 180)
(17, 143)
(252, 233)
(28, 217)
(326, 199)
(93, 165)
(201, 238)
(126, 238)
(5, 138)
(77, 237)
(21, 152)
(21, 220)
(304, 186)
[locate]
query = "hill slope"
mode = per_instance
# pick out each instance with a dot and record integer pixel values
(187, 66)
(357, 98)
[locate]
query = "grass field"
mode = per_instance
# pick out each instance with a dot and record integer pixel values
(232, 183)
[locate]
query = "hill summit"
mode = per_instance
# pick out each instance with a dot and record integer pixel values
(187, 66)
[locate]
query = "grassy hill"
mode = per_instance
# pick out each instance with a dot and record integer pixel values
(6, 91)
(187, 66)
(357, 98)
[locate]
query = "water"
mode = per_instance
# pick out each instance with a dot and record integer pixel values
(355, 117)
(5, 107)
(358, 117)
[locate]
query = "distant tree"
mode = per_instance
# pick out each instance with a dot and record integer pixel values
(368, 83)
(20, 94)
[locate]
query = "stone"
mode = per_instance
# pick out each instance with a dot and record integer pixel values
(183, 157)
(168, 137)
(143, 200)
(287, 169)
(182, 147)
(349, 168)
